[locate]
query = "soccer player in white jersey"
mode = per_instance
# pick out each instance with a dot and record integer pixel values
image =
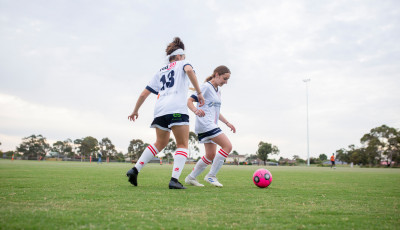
(171, 85)
(207, 127)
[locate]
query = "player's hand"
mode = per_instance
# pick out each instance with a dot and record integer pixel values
(200, 113)
(233, 129)
(133, 116)
(200, 99)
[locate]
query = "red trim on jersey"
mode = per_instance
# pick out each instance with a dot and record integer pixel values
(181, 153)
(223, 153)
(205, 160)
(152, 150)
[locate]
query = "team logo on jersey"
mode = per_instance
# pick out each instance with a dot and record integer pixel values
(215, 104)
(168, 67)
(172, 65)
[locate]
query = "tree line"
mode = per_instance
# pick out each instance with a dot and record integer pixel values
(37, 147)
(380, 145)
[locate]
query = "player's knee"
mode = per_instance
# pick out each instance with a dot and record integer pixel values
(227, 148)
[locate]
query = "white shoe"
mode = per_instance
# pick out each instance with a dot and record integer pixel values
(193, 181)
(213, 180)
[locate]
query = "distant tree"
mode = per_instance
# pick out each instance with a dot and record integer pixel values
(77, 146)
(357, 155)
(314, 160)
(34, 146)
(298, 159)
(89, 146)
(169, 149)
(136, 148)
(342, 155)
(107, 148)
(264, 149)
(63, 148)
(119, 156)
(10, 153)
(234, 152)
(323, 157)
(381, 142)
(193, 141)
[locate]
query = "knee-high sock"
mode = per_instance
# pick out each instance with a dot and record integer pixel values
(200, 166)
(179, 162)
(149, 153)
(218, 162)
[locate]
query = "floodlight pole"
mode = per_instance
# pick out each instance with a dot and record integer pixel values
(308, 138)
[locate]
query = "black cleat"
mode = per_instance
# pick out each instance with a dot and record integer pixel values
(132, 174)
(174, 184)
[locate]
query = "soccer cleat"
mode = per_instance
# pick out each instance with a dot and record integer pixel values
(193, 181)
(132, 174)
(175, 185)
(213, 180)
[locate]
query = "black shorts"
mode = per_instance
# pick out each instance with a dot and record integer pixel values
(207, 136)
(167, 121)
(333, 162)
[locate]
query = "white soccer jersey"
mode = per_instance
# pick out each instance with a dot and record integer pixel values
(211, 108)
(171, 84)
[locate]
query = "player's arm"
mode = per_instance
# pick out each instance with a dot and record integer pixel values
(193, 79)
(224, 120)
(190, 104)
(143, 96)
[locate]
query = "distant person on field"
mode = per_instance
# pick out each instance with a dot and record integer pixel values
(207, 128)
(333, 161)
(99, 156)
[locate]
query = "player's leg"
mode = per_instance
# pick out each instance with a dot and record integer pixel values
(181, 133)
(149, 153)
(202, 164)
(226, 147)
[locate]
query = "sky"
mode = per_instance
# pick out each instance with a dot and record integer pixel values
(71, 69)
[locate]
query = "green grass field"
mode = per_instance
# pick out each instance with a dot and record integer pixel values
(75, 195)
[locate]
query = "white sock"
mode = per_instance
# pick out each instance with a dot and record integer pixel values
(218, 162)
(200, 166)
(149, 153)
(179, 162)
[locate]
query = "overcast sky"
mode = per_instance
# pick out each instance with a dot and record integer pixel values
(71, 69)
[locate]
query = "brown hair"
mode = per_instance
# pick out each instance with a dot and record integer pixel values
(220, 70)
(174, 45)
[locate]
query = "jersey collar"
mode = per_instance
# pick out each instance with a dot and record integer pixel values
(216, 89)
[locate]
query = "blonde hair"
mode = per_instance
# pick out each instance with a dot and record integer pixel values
(220, 70)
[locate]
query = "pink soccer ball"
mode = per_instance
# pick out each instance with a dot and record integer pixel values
(262, 178)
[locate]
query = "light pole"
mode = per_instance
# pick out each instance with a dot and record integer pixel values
(308, 138)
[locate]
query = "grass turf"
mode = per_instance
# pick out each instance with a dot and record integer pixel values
(75, 195)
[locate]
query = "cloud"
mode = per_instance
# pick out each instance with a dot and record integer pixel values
(69, 71)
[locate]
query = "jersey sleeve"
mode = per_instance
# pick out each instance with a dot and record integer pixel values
(185, 63)
(203, 89)
(154, 85)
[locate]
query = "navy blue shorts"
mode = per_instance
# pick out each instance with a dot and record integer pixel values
(167, 121)
(207, 136)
